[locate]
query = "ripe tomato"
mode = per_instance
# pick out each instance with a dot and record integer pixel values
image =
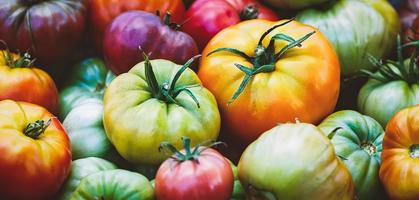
(35, 154)
(399, 170)
(102, 12)
(207, 18)
(198, 174)
(274, 80)
(20, 81)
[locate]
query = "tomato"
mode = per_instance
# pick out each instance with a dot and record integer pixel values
(265, 88)
(102, 12)
(294, 161)
(158, 101)
(79, 169)
(399, 170)
(238, 191)
(408, 13)
(199, 173)
(393, 87)
(207, 18)
(357, 140)
(159, 38)
(35, 152)
(20, 81)
(49, 30)
(293, 4)
(114, 184)
(87, 80)
(356, 29)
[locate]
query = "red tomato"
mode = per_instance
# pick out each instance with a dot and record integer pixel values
(206, 18)
(201, 174)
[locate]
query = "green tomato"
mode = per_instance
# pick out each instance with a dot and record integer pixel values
(80, 169)
(294, 4)
(356, 28)
(115, 184)
(294, 161)
(358, 143)
(85, 129)
(238, 191)
(88, 79)
(141, 111)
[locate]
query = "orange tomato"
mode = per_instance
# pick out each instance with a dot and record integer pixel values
(399, 171)
(301, 82)
(35, 152)
(20, 81)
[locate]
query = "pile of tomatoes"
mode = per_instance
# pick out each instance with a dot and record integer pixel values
(209, 99)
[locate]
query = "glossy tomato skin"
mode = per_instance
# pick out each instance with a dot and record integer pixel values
(207, 178)
(137, 28)
(37, 165)
(279, 96)
(102, 12)
(294, 4)
(294, 161)
(28, 84)
(408, 13)
(49, 30)
(206, 18)
(400, 157)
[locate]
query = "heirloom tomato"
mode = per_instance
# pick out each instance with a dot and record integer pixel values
(294, 4)
(102, 12)
(20, 81)
(393, 87)
(35, 152)
(207, 18)
(158, 101)
(357, 140)
(399, 170)
(79, 169)
(49, 30)
(294, 162)
(116, 184)
(263, 73)
(356, 29)
(408, 13)
(161, 39)
(199, 173)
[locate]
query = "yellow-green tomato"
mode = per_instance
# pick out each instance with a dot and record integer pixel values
(158, 101)
(294, 162)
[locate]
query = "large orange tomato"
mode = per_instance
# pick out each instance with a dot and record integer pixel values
(20, 81)
(399, 171)
(263, 73)
(102, 12)
(35, 152)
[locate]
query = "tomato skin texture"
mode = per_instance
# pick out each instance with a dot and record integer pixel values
(294, 161)
(49, 30)
(136, 122)
(207, 18)
(283, 95)
(31, 85)
(293, 4)
(39, 165)
(359, 143)
(137, 28)
(102, 12)
(114, 184)
(399, 170)
(208, 178)
(81, 168)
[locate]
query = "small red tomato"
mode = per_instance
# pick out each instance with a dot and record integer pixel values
(198, 174)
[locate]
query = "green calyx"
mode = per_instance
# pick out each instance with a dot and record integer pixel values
(190, 154)
(21, 61)
(251, 11)
(168, 91)
(414, 151)
(167, 20)
(264, 58)
(396, 70)
(35, 129)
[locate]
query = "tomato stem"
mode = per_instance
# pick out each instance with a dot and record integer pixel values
(20, 61)
(251, 11)
(414, 151)
(264, 58)
(167, 20)
(35, 129)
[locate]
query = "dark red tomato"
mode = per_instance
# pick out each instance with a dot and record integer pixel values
(408, 13)
(198, 174)
(49, 30)
(160, 39)
(206, 18)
